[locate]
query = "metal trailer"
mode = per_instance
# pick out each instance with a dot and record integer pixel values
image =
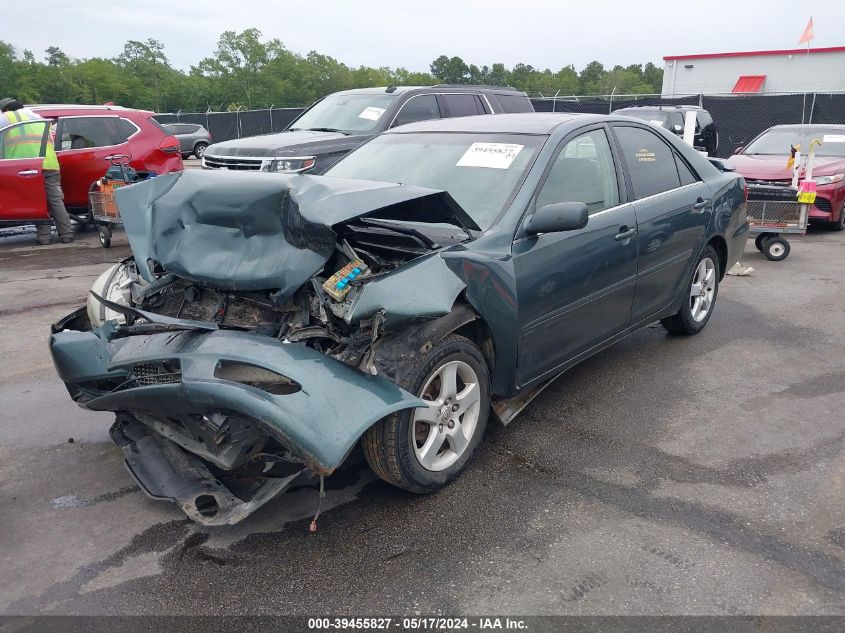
(772, 213)
(101, 197)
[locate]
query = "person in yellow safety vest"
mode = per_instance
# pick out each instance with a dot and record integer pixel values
(32, 141)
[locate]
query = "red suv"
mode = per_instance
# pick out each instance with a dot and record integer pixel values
(85, 137)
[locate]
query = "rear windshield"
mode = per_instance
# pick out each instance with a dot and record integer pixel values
(655, 117)
(777, 141)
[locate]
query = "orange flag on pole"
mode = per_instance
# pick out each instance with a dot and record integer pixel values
(808, 34)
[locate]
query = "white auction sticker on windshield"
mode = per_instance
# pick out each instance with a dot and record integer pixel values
(833, 138)
(492, 155)
(372, 113)
(657, 123)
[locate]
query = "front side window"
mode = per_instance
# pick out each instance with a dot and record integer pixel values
(358, 113)
(88, 132)
(419, 108)
(583, 172)
(650, 161)
(480, 171)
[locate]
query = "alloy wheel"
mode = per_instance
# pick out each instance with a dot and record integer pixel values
(703, 289)
(442, 431)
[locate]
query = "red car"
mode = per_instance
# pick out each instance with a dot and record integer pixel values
(764, 162)
(85, 137)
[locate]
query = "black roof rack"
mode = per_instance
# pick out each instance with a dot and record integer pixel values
(469, 86)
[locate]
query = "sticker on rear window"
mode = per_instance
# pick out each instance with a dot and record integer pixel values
(371, 112)
(645, 156)
(657, 123)
(492, 155)
(833, 138)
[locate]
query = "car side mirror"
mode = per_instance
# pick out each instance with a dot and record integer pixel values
(738, 150)
(678, 129)
(561, 216)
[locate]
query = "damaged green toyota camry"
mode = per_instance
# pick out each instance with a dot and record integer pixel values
(439, 275)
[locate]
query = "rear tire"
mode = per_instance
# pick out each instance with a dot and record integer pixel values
(423, 449)
(199, 149)
(758, 241)
(105, 236)
(699, 296)
(776, 249)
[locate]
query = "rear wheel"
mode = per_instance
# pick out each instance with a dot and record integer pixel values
(105, 236)
(423, 449)
(758, 241)
(199, 149)
(699, 298)
(776, 248)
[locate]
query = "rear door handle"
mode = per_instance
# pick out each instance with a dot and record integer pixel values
(701, 203)
(625, 233)
(28, 172)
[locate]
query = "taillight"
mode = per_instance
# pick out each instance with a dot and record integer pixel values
(170, 145)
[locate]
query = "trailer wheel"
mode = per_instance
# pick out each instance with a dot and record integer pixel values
(776, 248)
(105, 236)
(758, 241)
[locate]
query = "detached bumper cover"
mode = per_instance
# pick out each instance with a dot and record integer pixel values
(320, 423)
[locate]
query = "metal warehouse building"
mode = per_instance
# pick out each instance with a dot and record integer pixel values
(822, 70)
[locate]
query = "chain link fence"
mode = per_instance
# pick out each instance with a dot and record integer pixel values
(739, 118)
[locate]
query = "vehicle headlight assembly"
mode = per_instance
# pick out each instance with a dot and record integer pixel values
(292, 165)
(828, 180)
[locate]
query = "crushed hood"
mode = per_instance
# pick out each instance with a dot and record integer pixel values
(252, 231)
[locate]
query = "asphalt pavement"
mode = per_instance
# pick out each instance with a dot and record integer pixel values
(667, 475)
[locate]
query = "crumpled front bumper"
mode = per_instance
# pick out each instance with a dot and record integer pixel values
(319, 423)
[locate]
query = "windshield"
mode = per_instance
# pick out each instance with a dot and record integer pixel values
(655, 117)
(347, 113)
(480, 171)
(777, 142)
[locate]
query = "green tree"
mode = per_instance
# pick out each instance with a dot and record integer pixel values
(450, 70)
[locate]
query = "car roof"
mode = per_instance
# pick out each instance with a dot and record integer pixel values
(436, 88)
(662, 107)
(808, 126)
(82, 107)
(516, 123)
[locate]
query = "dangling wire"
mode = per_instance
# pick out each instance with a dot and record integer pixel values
(313, 526)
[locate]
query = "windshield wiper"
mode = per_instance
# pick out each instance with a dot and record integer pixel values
(403, 230)
(323, 129)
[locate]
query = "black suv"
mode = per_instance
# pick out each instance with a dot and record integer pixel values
(672, 118)
(340, 122)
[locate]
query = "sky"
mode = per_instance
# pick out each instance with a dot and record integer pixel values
(543, 33)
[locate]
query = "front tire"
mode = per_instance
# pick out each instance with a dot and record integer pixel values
(423, 449)
(199, 149)
(838, 225)
(699, 296)
(776, 249)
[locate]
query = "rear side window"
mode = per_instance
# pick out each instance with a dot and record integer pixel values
(685, 173)
(462, 105)
(650, 161)
(126, 128)
(515, 103)
(419, 108)
(88, 132)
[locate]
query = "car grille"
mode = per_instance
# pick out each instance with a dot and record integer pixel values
(823, 204)
(771, 183)
(210, 305)
(155, 373)
(231, 162)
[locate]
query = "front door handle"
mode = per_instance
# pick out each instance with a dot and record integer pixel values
(701, 203)
(28, 172)
(625, 233)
